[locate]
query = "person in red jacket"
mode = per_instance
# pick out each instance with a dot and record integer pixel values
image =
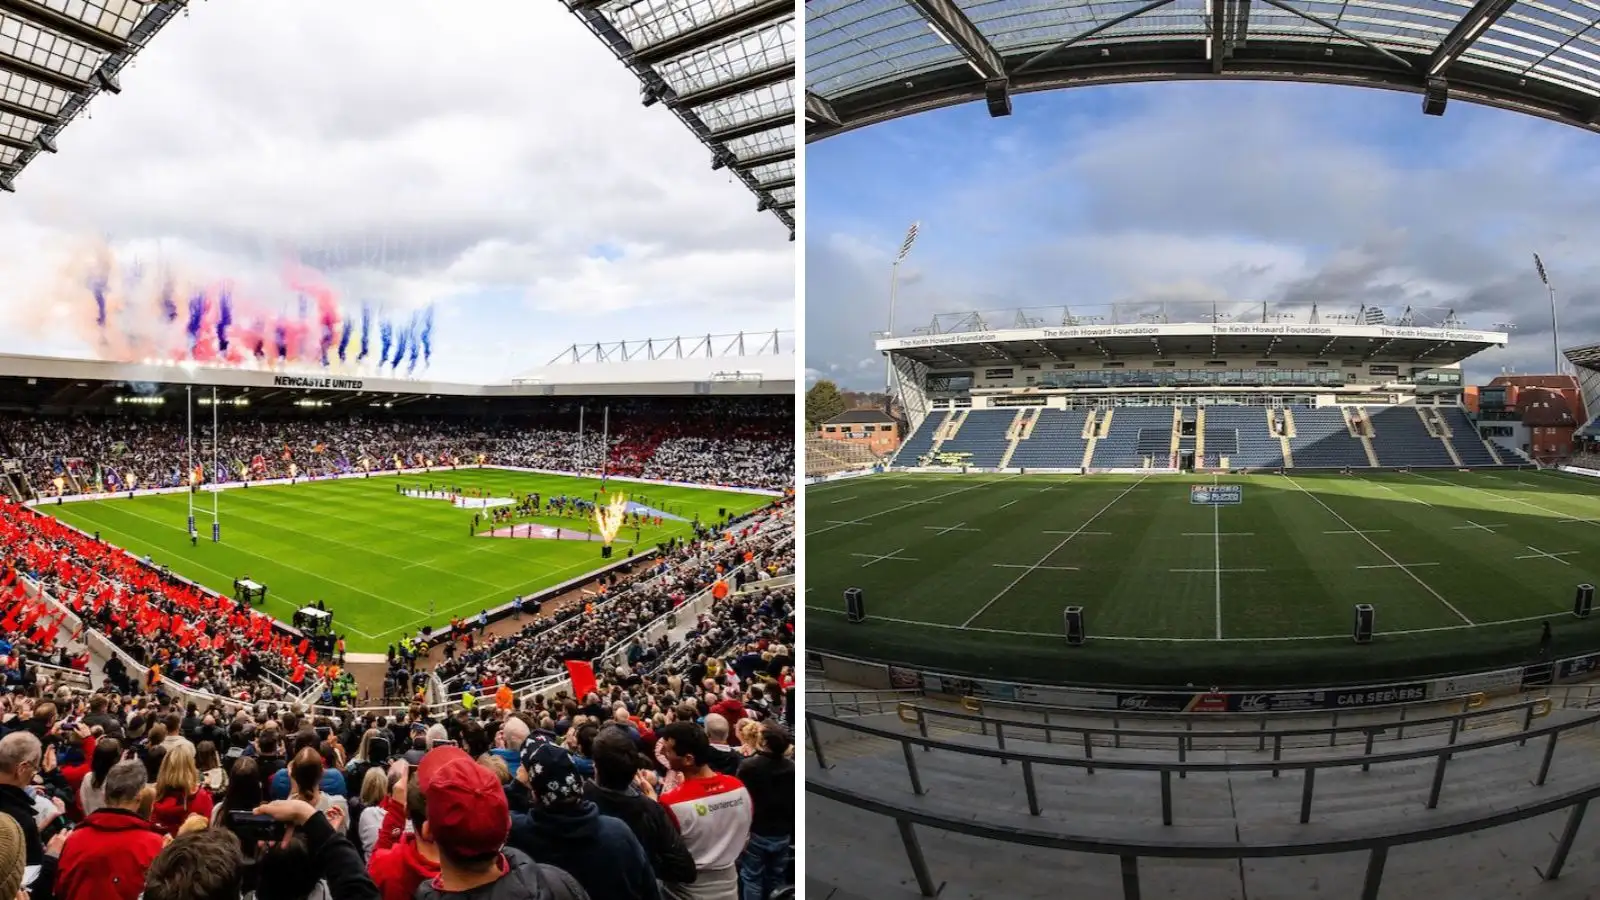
(178, 794)
(106, 856)
(399, 866)
(75, 771)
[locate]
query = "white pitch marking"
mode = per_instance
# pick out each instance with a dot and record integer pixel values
(955, 527)
(843, 499)
(1007, 503)
(1209, 570)
(846, 522)
(1564, 516)
(1018, 580)
(1220, 534)
(1353, 531)
(892, 554)
(1407, 566)
(1081, 533)
(1216, 539)
(1173, 640)
(1025, 566)
(1393, 491)
(885, 512)
(1537, 553)
(1471, 525)
(1374, 544)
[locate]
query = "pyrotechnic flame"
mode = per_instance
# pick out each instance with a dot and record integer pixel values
(609, 518)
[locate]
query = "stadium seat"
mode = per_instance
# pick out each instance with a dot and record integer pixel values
(920, 441)
(1401, 439)
(824, 457)
(1322, 440)
(1254, 447)
(1137, 433)
(1057, 441)
(983, 435)
(1464, 435)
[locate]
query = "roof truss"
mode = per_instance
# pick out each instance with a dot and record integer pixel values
(81, 59)
(866, 66)
(720, 69)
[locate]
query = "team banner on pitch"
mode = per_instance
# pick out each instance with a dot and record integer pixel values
(1216, 494)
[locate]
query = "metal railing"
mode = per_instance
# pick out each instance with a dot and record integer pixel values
(1374, 842)
(980, 704)
(1183, 767)
(1473, 713)
(858, 703)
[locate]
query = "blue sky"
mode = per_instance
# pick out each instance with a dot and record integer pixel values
(1199, 191)
(514, 181)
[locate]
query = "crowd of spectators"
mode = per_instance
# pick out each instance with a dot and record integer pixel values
(758, 547)
(598, 796)
(726, 441)
(672, 777)
(643, 788)
(174, 630)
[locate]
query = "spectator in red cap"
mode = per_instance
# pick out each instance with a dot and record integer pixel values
(468, 820)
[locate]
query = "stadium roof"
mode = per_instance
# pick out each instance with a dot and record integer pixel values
(726, 69)
(714, 377)
(1584, 357)
(1370, 343)
(872, 60)
(55, 56)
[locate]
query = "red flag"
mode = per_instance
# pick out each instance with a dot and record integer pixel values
(583, 680)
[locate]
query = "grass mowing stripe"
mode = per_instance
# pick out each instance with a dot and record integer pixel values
(350, 588)
(1051, 553)
(275, 598)
(911, 504)
(1385, 553)
(1216, 538)
(315, 540)
(1513, 499)
(410, 563)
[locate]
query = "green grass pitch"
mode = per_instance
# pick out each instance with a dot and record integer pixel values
(970, 574)
(384, 563)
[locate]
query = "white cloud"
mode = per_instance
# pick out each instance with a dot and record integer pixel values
(416, 152)
(1197, 192)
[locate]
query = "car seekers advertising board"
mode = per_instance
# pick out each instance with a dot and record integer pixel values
(1089, 698)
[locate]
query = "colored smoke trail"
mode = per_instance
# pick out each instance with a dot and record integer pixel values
(134, 311)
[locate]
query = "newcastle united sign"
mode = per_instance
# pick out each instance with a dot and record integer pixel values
(317, 382)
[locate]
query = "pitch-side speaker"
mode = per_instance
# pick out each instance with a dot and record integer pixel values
(855, 605)
(1583, 603)
(1072, 618)
(1365, 617)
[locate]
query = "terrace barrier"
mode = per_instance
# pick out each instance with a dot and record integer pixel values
(1376, 843)
(1472, 714)
(1182, 767)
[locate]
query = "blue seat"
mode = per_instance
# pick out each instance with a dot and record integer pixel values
(1253, 446)
(983, 435)
(920, 441)
(1125, 446)
(1323, 441)
(1057, 441)
(1401, 439)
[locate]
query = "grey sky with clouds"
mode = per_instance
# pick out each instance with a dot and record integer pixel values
(1205, 191)
(494, 159)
